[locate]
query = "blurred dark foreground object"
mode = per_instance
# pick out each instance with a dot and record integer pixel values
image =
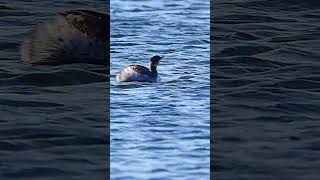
(76, 36)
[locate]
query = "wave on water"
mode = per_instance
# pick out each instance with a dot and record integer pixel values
(265, 63)
(53, 118)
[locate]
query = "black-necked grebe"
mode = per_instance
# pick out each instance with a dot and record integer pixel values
(141, 73)
(76, 36)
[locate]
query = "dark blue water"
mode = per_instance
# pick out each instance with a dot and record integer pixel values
(53, 122)
(162, 130)
(266, 74)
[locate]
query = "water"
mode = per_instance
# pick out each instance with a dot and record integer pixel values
(53, 121)
(266, 87)
(162, 130)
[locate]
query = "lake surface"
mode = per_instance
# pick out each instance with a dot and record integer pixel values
(266, 73)
(53, 122)
(161, 130)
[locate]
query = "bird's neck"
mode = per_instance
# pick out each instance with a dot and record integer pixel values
(152, 67)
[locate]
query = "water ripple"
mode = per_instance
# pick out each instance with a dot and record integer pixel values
(266, 89)
(49, 114)
(164, 125)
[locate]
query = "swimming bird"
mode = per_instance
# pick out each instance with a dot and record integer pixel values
(141, 73)
(76, 36)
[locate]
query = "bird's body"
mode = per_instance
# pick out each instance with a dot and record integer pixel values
(78, 36)
(140, 73)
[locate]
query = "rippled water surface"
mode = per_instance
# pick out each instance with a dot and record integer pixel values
(53, 123)
(266, 78)
(161, 130)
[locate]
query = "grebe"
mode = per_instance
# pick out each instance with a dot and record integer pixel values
(141, 73)
(76, 36)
